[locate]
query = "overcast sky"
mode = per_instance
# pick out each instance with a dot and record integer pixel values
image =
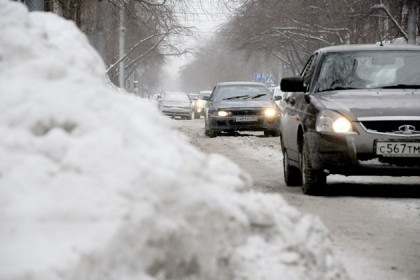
(206, 17)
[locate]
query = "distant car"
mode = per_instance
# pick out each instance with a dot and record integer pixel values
(354, 110)
(241, 106)
(193, 97)
(176, 104)
(201, 103)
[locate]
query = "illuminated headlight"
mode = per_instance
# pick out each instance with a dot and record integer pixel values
(270, 112)
(332, 122)
(222, 113)
(199, 103)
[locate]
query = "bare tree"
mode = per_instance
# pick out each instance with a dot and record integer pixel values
(292, 29)
(151, 29)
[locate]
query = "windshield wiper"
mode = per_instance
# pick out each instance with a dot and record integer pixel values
(236, 97)
(401, 86)
(338, 88)
(258, 95)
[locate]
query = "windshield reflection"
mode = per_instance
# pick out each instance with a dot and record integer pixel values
(368, 69)
(241, 92)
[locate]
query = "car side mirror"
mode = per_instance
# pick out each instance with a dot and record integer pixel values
(206, 98)
(292, 84)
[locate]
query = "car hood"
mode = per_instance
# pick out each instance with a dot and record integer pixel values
(372, 103)
(238, 104)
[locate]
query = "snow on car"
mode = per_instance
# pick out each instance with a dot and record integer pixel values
(94, 183)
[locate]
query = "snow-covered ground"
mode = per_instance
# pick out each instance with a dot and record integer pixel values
(95, 184)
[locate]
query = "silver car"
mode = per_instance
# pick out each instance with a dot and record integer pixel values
(176, 104)
(354, 110)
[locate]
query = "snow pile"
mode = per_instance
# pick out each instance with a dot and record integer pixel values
(95, 185)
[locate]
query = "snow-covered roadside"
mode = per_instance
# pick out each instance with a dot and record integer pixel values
(94, 183)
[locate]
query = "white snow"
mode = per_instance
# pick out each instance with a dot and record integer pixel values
(95, 184)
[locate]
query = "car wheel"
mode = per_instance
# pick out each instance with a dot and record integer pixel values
(292, 177)
(212, 133)
(313, 181)
(267, 133)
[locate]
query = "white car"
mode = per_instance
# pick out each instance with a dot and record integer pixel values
(200, 104)
(176, 104)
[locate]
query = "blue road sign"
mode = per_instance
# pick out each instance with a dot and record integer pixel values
(269, 80)
(258, 77)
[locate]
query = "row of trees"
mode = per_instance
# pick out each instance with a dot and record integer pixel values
(288, 31)
(150, 31)
(292, 29)
(271, 36)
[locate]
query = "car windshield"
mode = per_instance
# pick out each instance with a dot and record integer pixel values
(204, 93)
(242, 92)
(369, 69)
(193, 96)
(176, 96)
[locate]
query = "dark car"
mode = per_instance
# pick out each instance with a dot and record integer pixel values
(354, 110)
(176, 104)
(241, 106)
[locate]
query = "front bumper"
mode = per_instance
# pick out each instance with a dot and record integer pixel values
(230, 123)
(177, 112)
(199, 110)
(355, 154)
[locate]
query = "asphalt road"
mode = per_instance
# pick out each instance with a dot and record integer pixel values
(374, 221)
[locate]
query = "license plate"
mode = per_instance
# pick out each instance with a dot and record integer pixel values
(246, 119)
(398, 149)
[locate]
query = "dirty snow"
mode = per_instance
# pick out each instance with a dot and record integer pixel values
(95, 184)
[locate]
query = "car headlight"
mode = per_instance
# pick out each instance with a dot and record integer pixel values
(222, 113)
(270, 112)
(332, 122)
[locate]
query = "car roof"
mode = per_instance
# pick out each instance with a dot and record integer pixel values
(240, 84)
(370, 47)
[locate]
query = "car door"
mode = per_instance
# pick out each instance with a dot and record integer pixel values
(294, 106)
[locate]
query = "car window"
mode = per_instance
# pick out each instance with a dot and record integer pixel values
(309, 70)
(175, 96)
(242, 92)
(206, 93)
(369, 69)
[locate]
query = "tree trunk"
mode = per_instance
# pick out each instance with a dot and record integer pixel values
(412, 20)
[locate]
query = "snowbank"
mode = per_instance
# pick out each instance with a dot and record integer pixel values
(94, 183)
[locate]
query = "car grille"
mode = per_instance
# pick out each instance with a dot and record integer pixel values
(411, 127)
(247, 112)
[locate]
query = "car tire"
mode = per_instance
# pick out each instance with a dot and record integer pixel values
(212, 133)
(313, 181)
(292, 176)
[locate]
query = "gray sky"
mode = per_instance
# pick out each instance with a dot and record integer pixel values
(206, 16)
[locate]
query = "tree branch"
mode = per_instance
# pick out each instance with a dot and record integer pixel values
(383, 8)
